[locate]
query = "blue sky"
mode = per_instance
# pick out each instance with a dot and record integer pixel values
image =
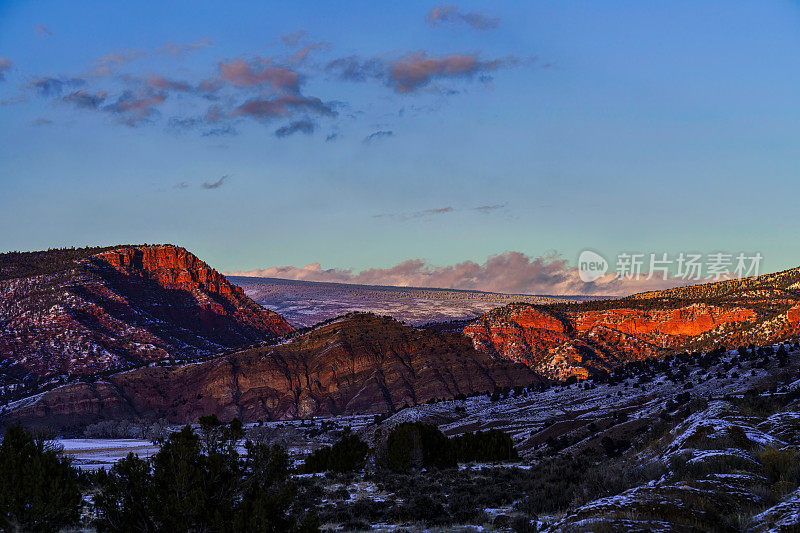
(360, 135)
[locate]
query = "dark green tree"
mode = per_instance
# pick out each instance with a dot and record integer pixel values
(347, 455)
(413, 445)
(39, 489)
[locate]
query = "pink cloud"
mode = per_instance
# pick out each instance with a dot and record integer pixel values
(417, 70)
(242, 74)
(281, 106)
(510, 272)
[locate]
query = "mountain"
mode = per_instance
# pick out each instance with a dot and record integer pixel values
(91, 311)
(579, 339)
(305, 303)
(360, 363)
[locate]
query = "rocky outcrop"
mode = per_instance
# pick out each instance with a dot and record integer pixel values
(114, 309)
(359, 364)
(565, 341)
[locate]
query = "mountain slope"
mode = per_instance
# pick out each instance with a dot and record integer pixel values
(582, 338)
(98, 310)
(361, 363)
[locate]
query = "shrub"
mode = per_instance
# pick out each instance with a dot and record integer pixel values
(781, 465)
(39, 489)
(492, 445)
(195, 484)
(416, 445)
(347, 455)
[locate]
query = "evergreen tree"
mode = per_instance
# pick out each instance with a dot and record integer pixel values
(39, 489)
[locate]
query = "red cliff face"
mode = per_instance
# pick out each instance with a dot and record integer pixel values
(665, 327)
(572, 343)
(517, 332)
(176, 269)
(122, 308)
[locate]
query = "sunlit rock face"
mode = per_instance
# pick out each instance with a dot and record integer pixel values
(79, 313)
(560, 341)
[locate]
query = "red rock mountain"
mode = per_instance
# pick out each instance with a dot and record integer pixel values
(566, 340)
(361, 363)
(98, 310)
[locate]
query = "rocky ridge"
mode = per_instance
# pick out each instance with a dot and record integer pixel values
(361, 363)
(78, 312)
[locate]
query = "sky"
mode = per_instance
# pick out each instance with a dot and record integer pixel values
(472, 145)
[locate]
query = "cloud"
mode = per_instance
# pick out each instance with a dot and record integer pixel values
(428, 212)
(242, 74)
(265, 109)
(413, 71)
(509, 272)
(451, 14)
(85, 100)
(5, 66)
(159, 82)
(291, 39)
(137, 107)
(42, 31)
(301, 55)
(417, 70)
(110, 62)
(219, 132)
(41, 121)
(180, 49)
(353, 68)
(51, 86)
(380, 134)
(217, 184)
(298, 126)
(488, 208)
(417, 214)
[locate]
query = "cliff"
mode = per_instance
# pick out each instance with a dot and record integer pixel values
(359, 364)
(566, 340)
(93, 311)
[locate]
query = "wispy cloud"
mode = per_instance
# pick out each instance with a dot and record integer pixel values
(429, 212)
(52, 86)
(413, 71)
(377, 135)
(159, 82)
(299, 126)
(354, 68)
(220, 132)
(489, 208)
(265, 109)
(109, 63)
(417, 70)
(181, 49)
(292, 39)
(510, 272)
(216, 184)
(439, 211)
(42, 31)
(85, 100)
(133, 108)
(5, 66)
(451, 14)
(240, 73)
